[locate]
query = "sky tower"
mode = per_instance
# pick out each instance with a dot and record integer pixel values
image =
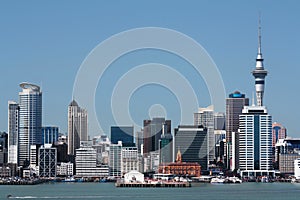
(259, 73)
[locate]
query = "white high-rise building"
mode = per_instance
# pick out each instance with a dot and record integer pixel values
(129, 159)
(255, 140)
(30, 102)
(77, 127)
(205, 117)
(297, 168)
(13, 131)
(115, 160)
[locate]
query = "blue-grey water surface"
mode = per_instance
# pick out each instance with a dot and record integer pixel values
(264, 191)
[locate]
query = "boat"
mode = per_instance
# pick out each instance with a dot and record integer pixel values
(69, 179)
(264, 179)
(217, 180)
(202, 179)
(234, 180)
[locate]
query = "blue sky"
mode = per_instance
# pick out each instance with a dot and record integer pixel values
(45, 42)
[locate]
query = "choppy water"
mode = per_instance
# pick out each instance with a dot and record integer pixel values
(264, 191)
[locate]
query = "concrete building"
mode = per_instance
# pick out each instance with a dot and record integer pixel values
(192, 142)
(255, 140)
(286, 162)
(115, 160)
(234, 106)
(65, 169)
(77, 127)
(219, 121)
(86, 163)
(205, 117)
(129, 159)
(139, 141)
(297, 168)
(278, 132)
(101, 145)
(30, 124)
(13, 131)
(47, 161)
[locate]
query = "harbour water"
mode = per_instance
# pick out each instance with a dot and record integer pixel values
(107, 191)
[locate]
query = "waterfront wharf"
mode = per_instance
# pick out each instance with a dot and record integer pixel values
(163, 184)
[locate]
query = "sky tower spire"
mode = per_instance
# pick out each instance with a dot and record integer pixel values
(259, 73)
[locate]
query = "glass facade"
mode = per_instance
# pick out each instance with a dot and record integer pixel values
(13, 131)
(122, 133)
(191, 141)
(30, 102)
(49, 134)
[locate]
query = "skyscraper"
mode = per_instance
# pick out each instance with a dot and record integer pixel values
(13, 131)
(191, 141)
(234, 106)
(30, 102)
(278, 132)
(205, 117)
(153, 131)
(77, 127)
(255, 139)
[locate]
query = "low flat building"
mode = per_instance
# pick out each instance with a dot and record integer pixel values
(181, 168)
(297, 169)
(286, 162)
(65, 169)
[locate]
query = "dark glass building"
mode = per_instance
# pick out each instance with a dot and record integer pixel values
(153, 130)
(49, 134)
(191, 141)
(122, 133)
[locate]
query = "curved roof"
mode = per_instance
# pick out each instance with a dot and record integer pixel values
(26, 85)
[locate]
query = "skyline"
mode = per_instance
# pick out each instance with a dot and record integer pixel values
(48, 49)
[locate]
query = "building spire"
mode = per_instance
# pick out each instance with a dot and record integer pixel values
(259, 33)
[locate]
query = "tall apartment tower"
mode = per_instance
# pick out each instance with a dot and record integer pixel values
(13, 131)
(234, 106)
(205, 117)
(255, 139)
(30, 126)
(77, 127)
